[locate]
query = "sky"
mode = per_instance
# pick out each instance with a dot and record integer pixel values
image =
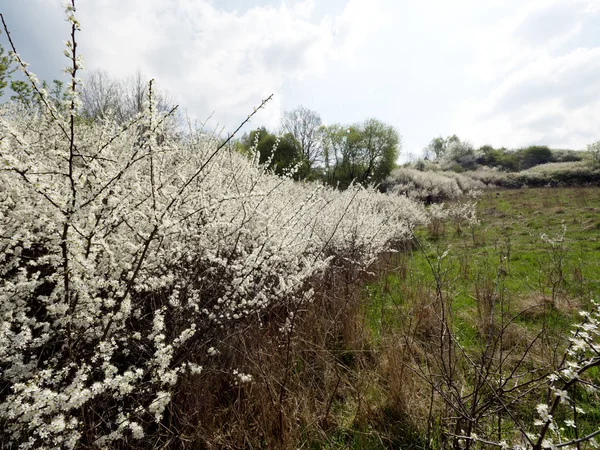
(507, 73)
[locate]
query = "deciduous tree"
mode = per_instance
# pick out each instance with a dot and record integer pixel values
(124, 98)
(304, 127)
(5, 70)
(364, 152)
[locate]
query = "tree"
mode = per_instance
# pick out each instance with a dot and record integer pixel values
(134, 91)
(381, 144)
(459, 156)
(5, 70)
(22, 93)
(438, 146)
(25, 94)
(333, 141)
(304, 127)
(100, 95)
(280, 153)
(594, 150)
(124, 98)
(351, 163)
(497, 157)
(364, 152)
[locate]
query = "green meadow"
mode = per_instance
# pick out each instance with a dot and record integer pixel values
(467, 307)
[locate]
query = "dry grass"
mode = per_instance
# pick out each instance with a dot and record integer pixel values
(299, 377)
(535, 306)
(485, 299)
(408, 395)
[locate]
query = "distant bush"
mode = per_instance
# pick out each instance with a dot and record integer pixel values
(459, 156)
(550, 174)
(453, 154)
(594, 152)
(500, 158)
(430, 187)
(567, 155)
(523, 159)
(534, 156)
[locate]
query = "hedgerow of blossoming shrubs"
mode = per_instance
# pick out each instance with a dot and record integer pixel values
(126, 258)
(123, 259)
(430, 186)
(578, 173)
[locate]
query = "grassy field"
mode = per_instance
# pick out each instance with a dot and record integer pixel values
(507, 246)
(472, 311)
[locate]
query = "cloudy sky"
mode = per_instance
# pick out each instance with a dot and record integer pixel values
(504, 72)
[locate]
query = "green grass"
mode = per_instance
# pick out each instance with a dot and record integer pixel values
(505, 255)
(511, 223)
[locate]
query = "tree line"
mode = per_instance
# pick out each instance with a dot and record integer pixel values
(452, 153)
(337, 154)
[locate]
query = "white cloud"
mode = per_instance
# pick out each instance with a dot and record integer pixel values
(543, 81)
(505, 72)
(216, 60)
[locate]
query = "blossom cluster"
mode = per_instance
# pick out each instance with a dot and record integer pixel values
(432, 186)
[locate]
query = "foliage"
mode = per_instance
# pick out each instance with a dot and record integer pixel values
(5, 69)
(532, 166)
(500, 158)
(578, 173)
(594, 151)
(25, 94)
(534, 156)
(335, 142)
(23, 91)
(364, 153)
(459, 156)
(563, 155)
(381, 147)
(280, 154)
(456, 155)
(339, 155)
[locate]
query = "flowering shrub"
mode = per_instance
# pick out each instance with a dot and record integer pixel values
(431, 186)
(128, 252)
(550, 174)
(120, 257)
